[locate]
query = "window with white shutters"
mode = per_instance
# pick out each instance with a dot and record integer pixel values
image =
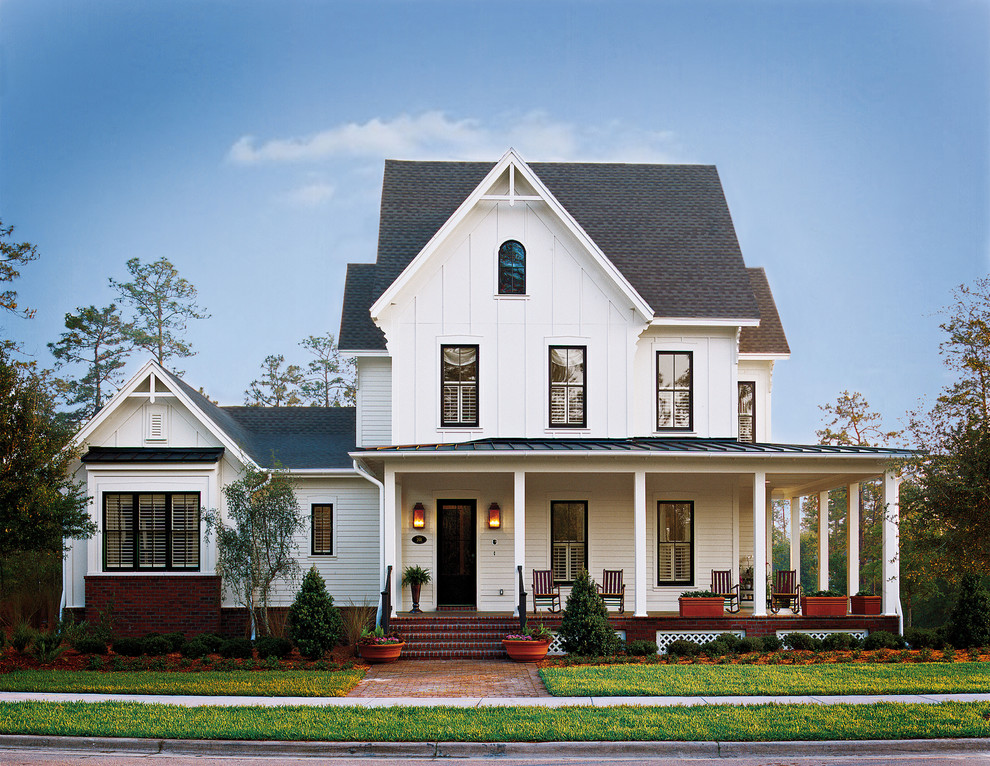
(674, 391)
(459, 385)
(569, 539)
(147, 530)
(568, 383)
(675, 543)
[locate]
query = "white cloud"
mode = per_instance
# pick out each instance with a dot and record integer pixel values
(434, 135)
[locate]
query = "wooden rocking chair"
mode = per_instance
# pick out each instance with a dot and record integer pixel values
(612, 589)
(785, 591)
(545, 591)
(721, 586)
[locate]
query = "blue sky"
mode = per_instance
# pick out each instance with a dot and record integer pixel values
(244, 141)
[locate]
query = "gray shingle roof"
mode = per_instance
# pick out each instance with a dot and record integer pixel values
(667, 228)
(297, 437)
(769, 337)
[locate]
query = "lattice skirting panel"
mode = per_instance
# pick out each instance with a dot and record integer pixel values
(666, 638)
(557, 645)
(820, 634)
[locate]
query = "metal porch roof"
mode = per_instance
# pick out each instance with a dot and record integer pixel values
(153, 455)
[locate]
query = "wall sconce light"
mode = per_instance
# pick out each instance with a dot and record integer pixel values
(494, 516)
(419, 516)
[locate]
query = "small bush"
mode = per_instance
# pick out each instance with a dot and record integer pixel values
(175, 640)
(129, 647)
(803, 642)
(47, 646)
(584, 628)
(731, 640)
(770, 643)
(923, 638)
(641, 648)
(715, 648)
(156, 645)
(211, 641)
(315, 624)
(273, 647)
(748, 645)
(236, 648)
(883, 639)
(22, 637)
(90, 644)
(194, 649)
(970, 621)
(839, 642)
(682, 648)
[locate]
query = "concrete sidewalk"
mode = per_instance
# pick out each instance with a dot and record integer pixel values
(467, 702)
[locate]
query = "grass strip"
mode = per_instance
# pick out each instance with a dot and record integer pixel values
(763, 723)
(701, 680)
(288, 683)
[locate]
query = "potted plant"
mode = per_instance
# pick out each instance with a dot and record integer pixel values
(865, 602)
(377, 646)
(415, 577)
(824, 603)
(700, 603)
(530, 645)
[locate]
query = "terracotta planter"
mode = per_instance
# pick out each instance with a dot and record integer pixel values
(526, 651)
(824, 606)
(866, 604)
(701, 607)
(379, 653)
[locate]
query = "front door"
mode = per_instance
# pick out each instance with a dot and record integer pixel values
(456, 570)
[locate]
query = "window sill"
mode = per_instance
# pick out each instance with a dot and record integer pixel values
(522, 297)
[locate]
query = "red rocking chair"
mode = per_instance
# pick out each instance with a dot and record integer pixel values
(721, 586)
(545, 591)
(785, 591)
(612, 589)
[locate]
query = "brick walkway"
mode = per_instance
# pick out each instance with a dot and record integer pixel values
(452, 678)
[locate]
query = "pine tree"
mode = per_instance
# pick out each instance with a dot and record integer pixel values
(585, 629)
(315, 625)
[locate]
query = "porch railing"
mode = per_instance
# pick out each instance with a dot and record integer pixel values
(386, 599)
(522, 602)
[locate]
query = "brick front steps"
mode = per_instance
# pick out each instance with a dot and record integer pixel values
(447, 635)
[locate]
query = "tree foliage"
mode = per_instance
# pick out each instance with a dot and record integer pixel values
(40, 504)
(163, 302)
(328, 380)
(278, 386)
(584, 628)
(315, 624)
(13, 255)
(97, 339)
(259, 546)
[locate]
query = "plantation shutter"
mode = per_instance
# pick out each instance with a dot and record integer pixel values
(118, 532)
(152, 531)
(185, 531)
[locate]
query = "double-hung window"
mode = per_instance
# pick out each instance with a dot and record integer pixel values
(675, 543)
(151, 530)
(568, 384)
(569, 539)
(459, 385)
(322, 535)
(747, 411)
(674, 391)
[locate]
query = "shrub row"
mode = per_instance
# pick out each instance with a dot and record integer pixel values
(729, 643)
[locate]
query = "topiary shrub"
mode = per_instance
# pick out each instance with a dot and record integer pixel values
(883, 639)
(584, 628)
(236, 648)
(835, 642)
(273, 647)
(194, 649)
(90, 645)
(682, 648)
(803, 642)
(315, 624)
(770, 643)
(641, 648)
(129, 647)
(156, 645)
(970, 621)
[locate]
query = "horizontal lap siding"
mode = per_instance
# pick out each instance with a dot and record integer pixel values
(374, 424)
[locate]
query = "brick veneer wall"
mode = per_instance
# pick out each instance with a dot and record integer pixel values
(162, 603)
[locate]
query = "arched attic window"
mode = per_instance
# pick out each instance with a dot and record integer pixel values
(511, 268)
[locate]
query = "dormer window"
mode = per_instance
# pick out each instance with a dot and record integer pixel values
(511, 268)
(674, 391)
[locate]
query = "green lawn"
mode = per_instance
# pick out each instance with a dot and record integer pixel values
(288, 683)
(521, 724)
(701, 680)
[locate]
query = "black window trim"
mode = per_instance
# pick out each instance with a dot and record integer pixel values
(477, 361)
(690, 580)
(135, 529)
(584, 386)
(656, 393)
(739, 386)
(312, 528)
(587, 542)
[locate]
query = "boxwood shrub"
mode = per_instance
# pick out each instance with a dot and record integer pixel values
(273, 647)
(236, 648)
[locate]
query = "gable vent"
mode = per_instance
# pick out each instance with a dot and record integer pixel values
(156, 425)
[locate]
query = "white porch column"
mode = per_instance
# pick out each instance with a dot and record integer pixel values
(760, 508)
(519, 530)
(795, 532)
(852, 539)
(390, 537)
(891, 564)
(823, 541)
(639, 533)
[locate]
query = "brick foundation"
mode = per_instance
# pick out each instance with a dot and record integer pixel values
(163, 603)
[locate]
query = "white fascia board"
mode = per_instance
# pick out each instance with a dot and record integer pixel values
(703, 322)
(315, 473)
(763, 357)
(367, 352)
(163, 376)
(156, 467)
(510, 157)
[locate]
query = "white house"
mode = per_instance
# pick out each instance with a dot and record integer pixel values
(559, 366)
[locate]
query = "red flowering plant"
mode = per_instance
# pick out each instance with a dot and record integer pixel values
(379, 636)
